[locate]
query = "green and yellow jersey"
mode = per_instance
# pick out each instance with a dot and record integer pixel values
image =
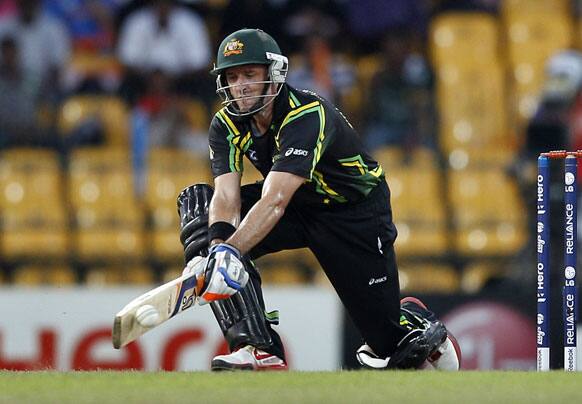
(308, 137)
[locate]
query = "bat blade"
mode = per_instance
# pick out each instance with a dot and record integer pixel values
(169, 299)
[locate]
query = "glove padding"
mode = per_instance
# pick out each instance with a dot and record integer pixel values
(223, 275)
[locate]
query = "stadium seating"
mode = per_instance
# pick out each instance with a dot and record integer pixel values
(477, 275)
(119, 275)
(389, 156)
(285, 267)
(169, 172)
(198, 114)
(109, 110)
(419, 211)
(464, 39)
(34, 219)
(42, 275)
(473, 110)
(487, 212)
(109, 219)
(532, 37)
(92, 65)
(428, 278)
(513, 7)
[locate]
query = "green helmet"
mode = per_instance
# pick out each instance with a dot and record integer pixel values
(245, 47)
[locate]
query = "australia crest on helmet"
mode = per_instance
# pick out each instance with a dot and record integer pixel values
(233, 47)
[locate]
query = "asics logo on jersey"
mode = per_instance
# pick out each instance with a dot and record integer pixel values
(296, 152)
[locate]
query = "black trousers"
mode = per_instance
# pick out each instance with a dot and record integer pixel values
(354, 245)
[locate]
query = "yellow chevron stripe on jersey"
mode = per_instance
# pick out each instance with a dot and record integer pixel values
(323, 188)
(229, 122)
(377, 172)
(296, 113)
(294, 99)
(234, 155)
(320, 139)
(246, 142)
(355, 161)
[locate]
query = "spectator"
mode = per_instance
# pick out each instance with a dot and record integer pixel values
(369, 20)
(262, 14)
(322, 71)
(489, 6)
(400, 108)
(90, 22)
(165, 36)
(160, 119)
(316, 16)
(43, 42)
(168, 121)
(21, 91)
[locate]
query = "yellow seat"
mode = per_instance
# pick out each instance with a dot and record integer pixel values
(487, 213)
(34, 219)
(119, 275)
(532, 37)
(466, 39)
(389, 156)
(463, 157)
(473, 107)
(476, 275)
(514, 7)
(91, 64)
(197, 114)
(428, 278)
(353, 100)
(111, 110)
(44, 275)
(419, 211)
(169, 172)
(367, 67)
(283, 275)
(109, 218)
(170, 273)
(417, 194)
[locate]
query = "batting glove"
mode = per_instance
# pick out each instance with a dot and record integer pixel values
(223, 276)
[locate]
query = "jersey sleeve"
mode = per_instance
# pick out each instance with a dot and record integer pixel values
(302, 140)
(225, 154)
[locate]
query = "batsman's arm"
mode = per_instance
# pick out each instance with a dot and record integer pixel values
(278, 190)
(226, 203)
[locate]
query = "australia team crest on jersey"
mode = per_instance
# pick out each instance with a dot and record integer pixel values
(233, 47)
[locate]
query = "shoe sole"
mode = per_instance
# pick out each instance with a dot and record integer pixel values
(457, 348)
(218, 365)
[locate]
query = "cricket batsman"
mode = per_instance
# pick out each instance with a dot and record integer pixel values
(321, 190)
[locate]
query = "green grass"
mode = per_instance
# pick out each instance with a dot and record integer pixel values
(291, 387)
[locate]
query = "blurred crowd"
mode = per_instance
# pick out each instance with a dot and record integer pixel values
(156, 54)
(77, 73)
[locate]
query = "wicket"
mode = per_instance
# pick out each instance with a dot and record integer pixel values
(569, 292)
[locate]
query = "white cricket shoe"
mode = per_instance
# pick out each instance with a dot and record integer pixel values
(368, 358)
(248, 358)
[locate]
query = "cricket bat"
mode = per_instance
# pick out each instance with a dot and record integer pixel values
(155, 307)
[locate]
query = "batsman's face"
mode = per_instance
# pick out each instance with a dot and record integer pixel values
(247, 83)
